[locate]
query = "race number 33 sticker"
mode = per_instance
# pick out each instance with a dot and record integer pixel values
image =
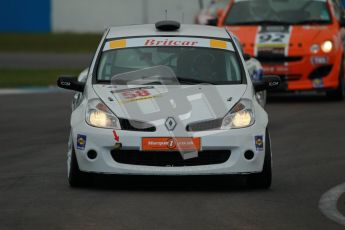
(273, 40)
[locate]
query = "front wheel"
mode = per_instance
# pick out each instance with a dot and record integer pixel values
(76, 178)
(338, 94)
(263, 180)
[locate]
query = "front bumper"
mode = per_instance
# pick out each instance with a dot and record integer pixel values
(302, 73)
(102, 141)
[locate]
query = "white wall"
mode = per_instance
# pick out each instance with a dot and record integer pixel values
(96, 15)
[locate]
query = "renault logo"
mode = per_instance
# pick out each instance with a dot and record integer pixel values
(170, 124)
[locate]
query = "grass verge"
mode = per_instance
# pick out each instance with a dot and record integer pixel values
(12, 78)
(49, 42)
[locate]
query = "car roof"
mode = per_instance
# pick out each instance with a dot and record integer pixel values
(150, 30)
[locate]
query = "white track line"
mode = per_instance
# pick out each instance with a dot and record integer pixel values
(328, 204)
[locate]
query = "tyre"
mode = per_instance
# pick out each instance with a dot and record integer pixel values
(338, 94)
(263, 180)
(76, 178)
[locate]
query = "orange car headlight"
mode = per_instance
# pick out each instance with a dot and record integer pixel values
(327, 46)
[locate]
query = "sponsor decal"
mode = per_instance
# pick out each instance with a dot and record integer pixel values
(118, 44)
(273, 83)
(81, 142)
(169, 42)
(65, 83)
(276, 69)
(129, 89)
(131, 94)
(170, 144)
(259, 143)
(136, 94)
(218, 44)
(318, 83)
(319, 60)
(139, 99)
(272, 40)
(310, 27)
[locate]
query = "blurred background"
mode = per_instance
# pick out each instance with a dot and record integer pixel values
(42, 39)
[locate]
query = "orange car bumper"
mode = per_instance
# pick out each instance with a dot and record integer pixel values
(306, 72)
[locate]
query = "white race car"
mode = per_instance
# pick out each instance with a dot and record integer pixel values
(168, 99)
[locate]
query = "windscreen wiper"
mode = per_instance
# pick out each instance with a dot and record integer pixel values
(311, 22)
(197, 81)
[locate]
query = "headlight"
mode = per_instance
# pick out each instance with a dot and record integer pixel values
(314, 49)
(240, 116)
(99, 115)
(327, 46)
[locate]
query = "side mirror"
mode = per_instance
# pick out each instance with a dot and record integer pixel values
(247, 57)
(70, 83)
(267, 83)
(212, 22)
(342, 21)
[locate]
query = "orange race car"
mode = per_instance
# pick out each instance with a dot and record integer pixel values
(301, 41)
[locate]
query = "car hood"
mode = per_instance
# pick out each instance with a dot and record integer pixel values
(152, 103)
(301, 37)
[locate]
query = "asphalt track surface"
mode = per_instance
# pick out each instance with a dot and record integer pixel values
(309, 159)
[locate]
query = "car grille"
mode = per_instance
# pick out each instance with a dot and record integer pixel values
(290, 77)
(321, 72)
(204, 125)
(131, 125)
(169, 158)
(278, 59)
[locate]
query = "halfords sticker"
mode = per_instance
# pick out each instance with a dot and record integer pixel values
(81, 142)
(318, 83)
(169, 42)
(259, 143)
(170, 144)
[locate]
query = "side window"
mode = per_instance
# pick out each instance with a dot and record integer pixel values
(337, 9)
(239, 44)
(232, 68)
(319, 10)
(105, 66)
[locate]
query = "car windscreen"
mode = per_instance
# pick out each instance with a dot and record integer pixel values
(252, 12)
(189, 64)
